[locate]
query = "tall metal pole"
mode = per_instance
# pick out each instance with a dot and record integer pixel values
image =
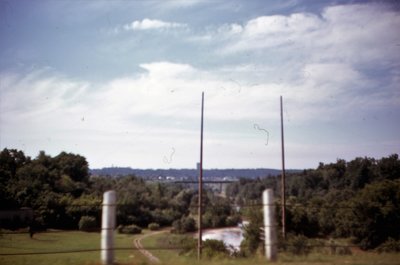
(283, 190)
(200, 209)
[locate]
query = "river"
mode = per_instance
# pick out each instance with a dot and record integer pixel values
(231, 236)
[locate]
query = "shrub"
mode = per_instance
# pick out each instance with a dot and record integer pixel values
(343, 250)
(375, 214)
(184, 225)
(129, 229)
(337, 249)
(390, 245)
(233, 220)
(87, 223)
(189, 224)
(211, 248)
(188, 245)
(214, 248)
(298, 245)
(153, 226)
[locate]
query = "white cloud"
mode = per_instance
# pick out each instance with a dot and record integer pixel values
(278, 24)
(139, 118)
(167, 69)
(350, 33)
(328, 67)
(38, 93)
(180, 3)
(167, 89)
(152, 24)
(322, 60)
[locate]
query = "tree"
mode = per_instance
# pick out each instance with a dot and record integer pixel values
(184, 225)
(375, 216)
(74, 166)
(10, 161)
(252, 232)
(360, 171)
(389, 167)
(301, 220)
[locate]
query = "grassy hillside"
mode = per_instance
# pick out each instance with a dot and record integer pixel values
(59, 241)
(358, 257)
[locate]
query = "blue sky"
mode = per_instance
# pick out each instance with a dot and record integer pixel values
(120, 82)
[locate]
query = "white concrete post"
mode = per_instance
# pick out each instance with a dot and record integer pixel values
(108, 221)
(269, 225)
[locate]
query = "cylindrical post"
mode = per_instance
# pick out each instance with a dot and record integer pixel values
(269, 225)
(108, 221)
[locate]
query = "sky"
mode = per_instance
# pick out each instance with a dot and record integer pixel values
(120, 82)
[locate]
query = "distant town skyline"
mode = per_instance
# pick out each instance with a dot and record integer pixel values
(120, 82)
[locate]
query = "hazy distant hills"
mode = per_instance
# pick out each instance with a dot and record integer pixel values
(187, 173)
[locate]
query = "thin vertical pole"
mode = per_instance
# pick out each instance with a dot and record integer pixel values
(283, 189)
(269, 225)
(200, 209)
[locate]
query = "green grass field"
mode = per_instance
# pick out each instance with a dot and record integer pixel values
(61, 241)
(74, 240)
(357, 257)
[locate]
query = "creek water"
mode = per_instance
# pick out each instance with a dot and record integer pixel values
(231, 236)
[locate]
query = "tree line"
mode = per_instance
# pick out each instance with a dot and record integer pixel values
(358, 199)
(63, 195)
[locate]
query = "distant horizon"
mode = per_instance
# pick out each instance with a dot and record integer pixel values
(205, 168)
(256, 168)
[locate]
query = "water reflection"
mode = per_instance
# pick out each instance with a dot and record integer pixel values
(231, 236)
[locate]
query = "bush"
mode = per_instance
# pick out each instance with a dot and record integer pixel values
(214, 248)
(184, 225)
(153, 226)
(129, 229)
(251, 236)
(188, 245)
(233, 220)
(298, 245)
(337, 249)
(343, 250)
(389, 245)
(87, 223)
(211, 248)
(375, 214)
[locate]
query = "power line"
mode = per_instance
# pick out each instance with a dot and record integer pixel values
(204, 181)
(71, 251)
(87, 250)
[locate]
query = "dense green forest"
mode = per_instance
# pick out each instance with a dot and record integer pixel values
(61, 192)
(359, 199)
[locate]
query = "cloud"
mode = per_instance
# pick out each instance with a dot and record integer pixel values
(153, 24)
(40, 92)
(278, 24)
(357, 33)
(168, 89)
(167, 69)
(180, 3)
(139, 118)
(346, 55)
(330, 67)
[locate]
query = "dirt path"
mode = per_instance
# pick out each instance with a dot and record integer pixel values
(138, 244)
